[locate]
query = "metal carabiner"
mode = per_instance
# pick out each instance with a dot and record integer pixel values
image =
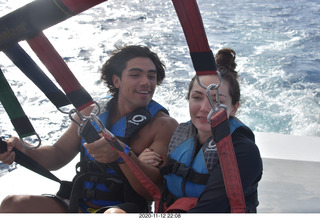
(109, 136)
(62, 111)
(102, 128)
(202, 85)
(208, 89)
(215, 107)
(29, 146)
(83, 119)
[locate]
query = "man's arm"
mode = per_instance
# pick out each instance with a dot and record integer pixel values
(53, 156)
(161, 129)
(164, 128)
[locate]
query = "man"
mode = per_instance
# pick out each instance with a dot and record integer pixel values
(131, 74)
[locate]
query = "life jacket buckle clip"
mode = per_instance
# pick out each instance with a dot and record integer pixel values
(180, 169)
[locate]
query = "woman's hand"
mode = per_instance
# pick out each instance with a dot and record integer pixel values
(150, 157)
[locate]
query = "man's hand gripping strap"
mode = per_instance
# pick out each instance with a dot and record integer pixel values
(88, 132)
(124, 153)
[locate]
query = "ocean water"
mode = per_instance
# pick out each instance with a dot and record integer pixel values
(277, 45)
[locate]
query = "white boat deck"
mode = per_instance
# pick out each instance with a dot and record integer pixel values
(291, 176)
(290, 182)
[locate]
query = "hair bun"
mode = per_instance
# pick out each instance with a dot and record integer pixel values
(225, 58)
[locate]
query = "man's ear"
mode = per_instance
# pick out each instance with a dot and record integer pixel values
(116, 81)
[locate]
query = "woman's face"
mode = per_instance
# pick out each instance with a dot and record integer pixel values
(199, 105)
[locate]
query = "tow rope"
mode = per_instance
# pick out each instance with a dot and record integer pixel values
(204, 64)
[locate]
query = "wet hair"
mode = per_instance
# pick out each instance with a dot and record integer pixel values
(118, 62)
(225, 60)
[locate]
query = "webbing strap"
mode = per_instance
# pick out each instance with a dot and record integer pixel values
(25, 63)
(28, 163)
(152, 189)
(14, 110)
(221, 135)
(77, 95)
(204, 64)
(192, 25)
(90, 134)
(183, 204)
(145, 181)
(27, 21)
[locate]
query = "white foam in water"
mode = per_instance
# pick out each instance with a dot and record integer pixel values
(277, 92)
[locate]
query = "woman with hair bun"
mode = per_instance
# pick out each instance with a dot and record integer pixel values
(193, 151)
(193, 168)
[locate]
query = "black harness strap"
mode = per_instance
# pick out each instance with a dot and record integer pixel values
(28, 163)
(187, 173)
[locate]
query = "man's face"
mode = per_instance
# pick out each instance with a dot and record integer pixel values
(137, 83)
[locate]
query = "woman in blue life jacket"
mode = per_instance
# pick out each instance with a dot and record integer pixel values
(193, 168)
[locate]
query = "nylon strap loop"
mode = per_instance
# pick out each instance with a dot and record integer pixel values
(191, 22)
(25, 63)
(202, 61)
(29, 20)
(18, 118)
(229, 166)
(192, 25)
(77, 95)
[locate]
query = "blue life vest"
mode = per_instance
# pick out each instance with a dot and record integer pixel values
(187, 173)
(123, 129)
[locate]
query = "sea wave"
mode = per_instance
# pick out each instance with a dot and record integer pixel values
(277, 53)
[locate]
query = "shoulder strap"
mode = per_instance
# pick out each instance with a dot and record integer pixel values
(179, 169)
(130, 124)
